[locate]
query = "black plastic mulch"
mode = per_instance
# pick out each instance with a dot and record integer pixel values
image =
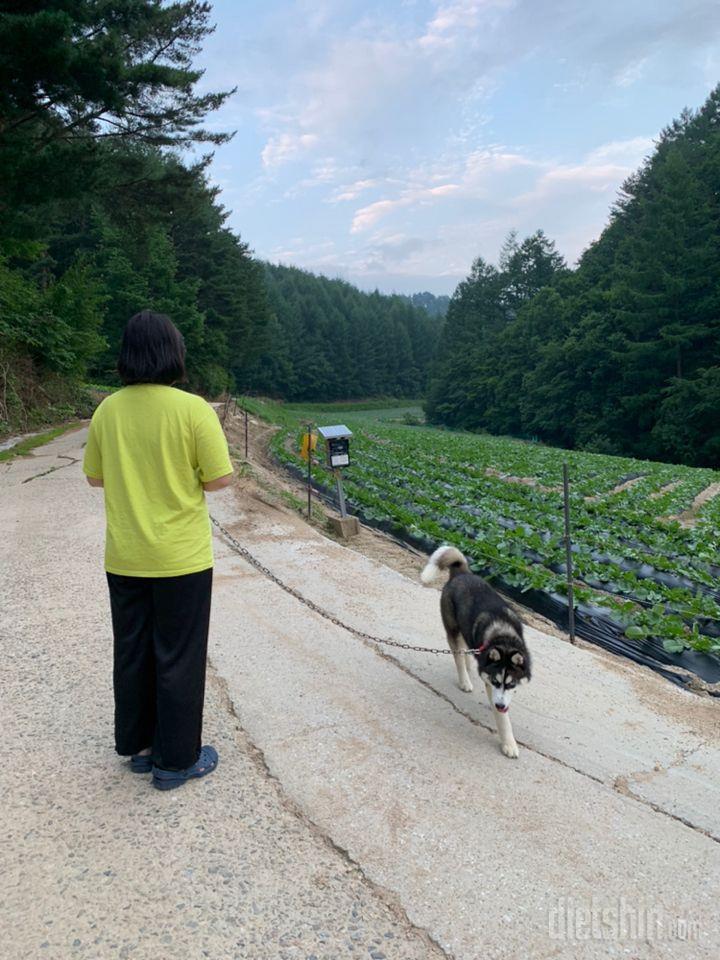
(590, 625)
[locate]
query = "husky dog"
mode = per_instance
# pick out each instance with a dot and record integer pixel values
(476, 617)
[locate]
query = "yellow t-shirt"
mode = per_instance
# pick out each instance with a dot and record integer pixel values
(153, 447)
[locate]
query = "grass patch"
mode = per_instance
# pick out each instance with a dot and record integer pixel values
(26, 446)
(360, 406)
(241, 467)
(299, 505)
(290, 500)
(271, 411)
(295, 414)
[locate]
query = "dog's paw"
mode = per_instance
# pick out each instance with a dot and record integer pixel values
(466, 686)
(510, 750)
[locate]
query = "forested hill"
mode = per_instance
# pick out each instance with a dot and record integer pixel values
(621, 355)
(327, 341)
(99, 218)
(434, 305)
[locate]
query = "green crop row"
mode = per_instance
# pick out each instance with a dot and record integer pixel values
(500, 501)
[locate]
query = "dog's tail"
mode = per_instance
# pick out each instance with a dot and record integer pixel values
(444, 558)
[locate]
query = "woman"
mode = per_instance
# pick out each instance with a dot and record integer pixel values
(156, 450)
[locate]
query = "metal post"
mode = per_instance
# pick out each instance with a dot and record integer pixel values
(341, 493)
(309, 473)
(246, 434)
(568, 555)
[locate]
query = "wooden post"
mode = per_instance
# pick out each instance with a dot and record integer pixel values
(246, 434)
(309, 473)
(568, 555)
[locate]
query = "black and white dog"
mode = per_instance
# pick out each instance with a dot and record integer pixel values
(475, 617)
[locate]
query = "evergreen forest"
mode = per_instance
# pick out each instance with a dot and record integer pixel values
(104, 211)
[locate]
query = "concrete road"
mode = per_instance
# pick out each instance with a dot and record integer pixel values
(362, 807)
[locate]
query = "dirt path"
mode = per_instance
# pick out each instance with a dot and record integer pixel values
(668, 488)
(688, 518)
(620, 488)
(523, 481)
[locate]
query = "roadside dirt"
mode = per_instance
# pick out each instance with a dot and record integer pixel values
(699, 713)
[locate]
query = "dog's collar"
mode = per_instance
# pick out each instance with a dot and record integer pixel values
(483, 648)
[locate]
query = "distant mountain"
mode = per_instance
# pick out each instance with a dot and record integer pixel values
(327, 340)
(432, 305)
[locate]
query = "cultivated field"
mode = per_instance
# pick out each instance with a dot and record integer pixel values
(645, 535)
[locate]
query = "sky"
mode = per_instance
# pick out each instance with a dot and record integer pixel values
(391, 143)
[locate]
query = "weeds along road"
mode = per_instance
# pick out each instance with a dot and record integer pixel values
(362, 807)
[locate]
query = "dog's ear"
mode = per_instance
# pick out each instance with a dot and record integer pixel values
(518, 659)
(494, 654)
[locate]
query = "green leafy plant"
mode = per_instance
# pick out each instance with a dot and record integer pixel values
(499, 501)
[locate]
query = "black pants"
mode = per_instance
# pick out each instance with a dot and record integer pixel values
(160, 628)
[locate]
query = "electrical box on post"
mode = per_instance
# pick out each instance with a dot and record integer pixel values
(337, 443)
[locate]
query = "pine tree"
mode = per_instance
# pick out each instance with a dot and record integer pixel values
(606, 358)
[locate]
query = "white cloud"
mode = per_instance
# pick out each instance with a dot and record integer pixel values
(417, 134)
(631, 73)
(473, 177)
(352, 191)
(368, 216)
(286, 146)
(374, 90)
(598, 177)
(373, 93)
(418, 231)
(629, 153)
(301, 250)
(459, 17)
(603, 170)
(323, 174)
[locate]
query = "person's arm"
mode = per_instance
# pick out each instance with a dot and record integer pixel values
(92, 461)
(214, 484)
(213, 460)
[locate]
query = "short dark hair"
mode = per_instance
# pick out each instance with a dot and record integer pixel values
(152, 350)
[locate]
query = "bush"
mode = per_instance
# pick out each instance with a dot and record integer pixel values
(30, 397)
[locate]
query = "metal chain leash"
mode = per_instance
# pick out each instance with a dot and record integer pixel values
(360, 634)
